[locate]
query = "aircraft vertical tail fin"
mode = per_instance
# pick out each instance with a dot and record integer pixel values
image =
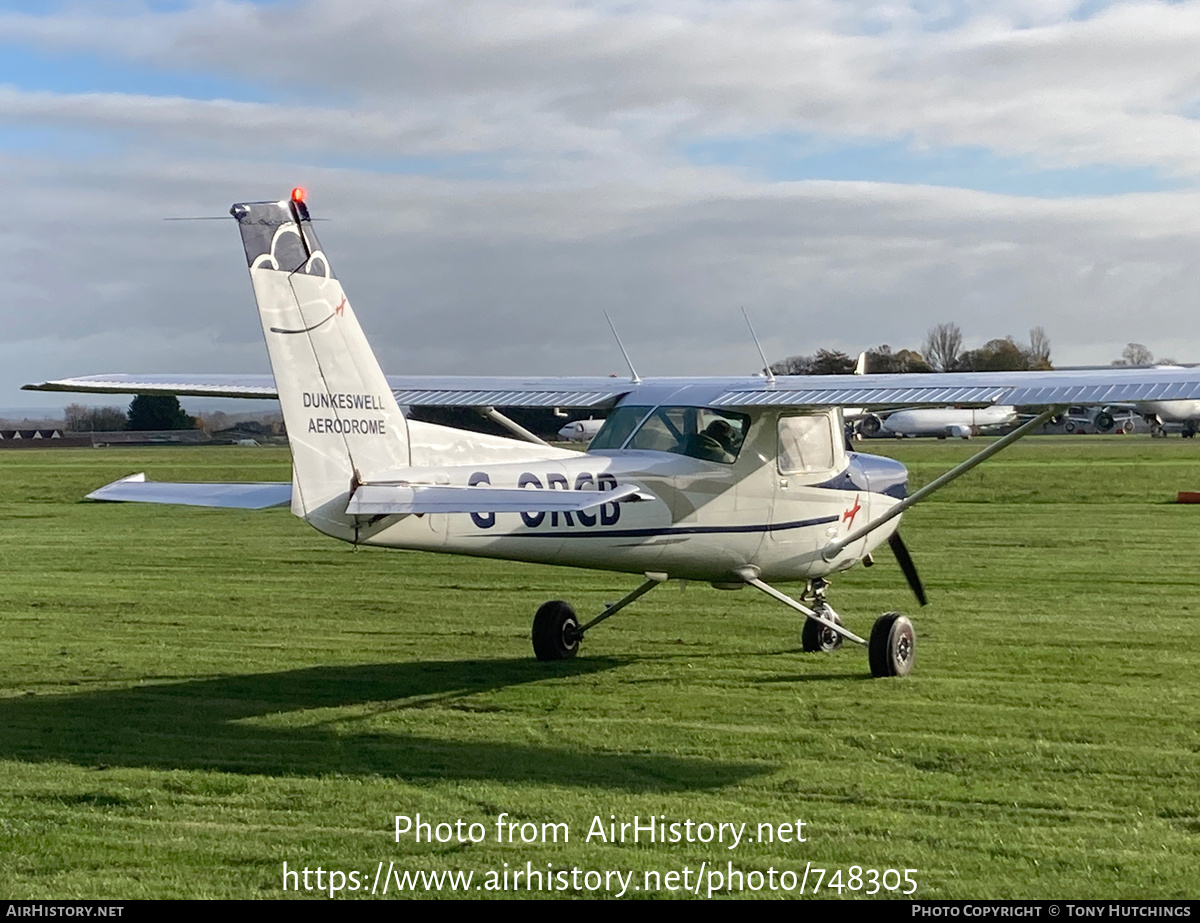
(342, 419)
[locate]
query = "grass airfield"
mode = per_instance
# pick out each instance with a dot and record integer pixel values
(189, 698)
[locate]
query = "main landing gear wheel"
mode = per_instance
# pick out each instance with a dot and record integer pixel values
(817, 638)
(892, 646)
(555, 631)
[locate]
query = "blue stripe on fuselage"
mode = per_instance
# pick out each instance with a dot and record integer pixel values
(677, 530)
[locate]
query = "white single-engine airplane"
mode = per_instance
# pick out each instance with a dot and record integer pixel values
(734, 481)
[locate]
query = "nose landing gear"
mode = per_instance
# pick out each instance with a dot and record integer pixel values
(893, 645)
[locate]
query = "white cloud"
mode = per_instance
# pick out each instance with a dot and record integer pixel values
(1016, 78)
(583, 201)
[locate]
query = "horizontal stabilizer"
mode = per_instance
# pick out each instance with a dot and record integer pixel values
(242, 496)
(382, 499)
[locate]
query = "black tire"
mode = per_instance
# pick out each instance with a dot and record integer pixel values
(817, 639)
(1104, 421)
(555, 631)
(870, 425)
(893, 646)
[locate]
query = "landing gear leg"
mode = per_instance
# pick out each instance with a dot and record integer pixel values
(557, 632)
(750, 575)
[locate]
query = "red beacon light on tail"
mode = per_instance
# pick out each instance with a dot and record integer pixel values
(298, 195)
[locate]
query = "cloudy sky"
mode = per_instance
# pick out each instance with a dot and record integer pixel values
(498, 174)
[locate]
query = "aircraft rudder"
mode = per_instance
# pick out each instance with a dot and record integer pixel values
(342, 419)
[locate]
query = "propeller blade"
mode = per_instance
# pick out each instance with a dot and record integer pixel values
(904, 559)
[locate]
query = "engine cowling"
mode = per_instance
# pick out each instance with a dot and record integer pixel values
(870, 425)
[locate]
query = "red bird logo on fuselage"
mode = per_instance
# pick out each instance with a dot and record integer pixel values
(848, 516)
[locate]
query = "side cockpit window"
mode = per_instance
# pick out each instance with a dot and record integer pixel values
(805, 444)
(698, 432)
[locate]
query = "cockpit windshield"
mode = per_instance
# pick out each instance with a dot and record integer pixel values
(698, 432)
(618, 427)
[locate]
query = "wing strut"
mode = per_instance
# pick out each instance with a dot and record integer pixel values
(834, 548)
(511, 425)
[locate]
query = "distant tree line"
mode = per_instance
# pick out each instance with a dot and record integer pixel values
(942, 351)
(1137, 354)
(146, 413)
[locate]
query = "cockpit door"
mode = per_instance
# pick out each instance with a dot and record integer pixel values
(806, 514)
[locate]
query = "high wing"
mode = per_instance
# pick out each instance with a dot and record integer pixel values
(1027, 389)
(243, 386)
(412, 390)
(980, 389)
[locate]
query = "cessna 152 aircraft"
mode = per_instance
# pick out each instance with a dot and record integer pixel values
(734, 481)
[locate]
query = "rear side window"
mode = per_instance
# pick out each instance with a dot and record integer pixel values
(805, 444)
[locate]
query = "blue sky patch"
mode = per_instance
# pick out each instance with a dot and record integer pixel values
(33, 70)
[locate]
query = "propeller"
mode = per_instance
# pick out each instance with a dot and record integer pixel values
(904, 559)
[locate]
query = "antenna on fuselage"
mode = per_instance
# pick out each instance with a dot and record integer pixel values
(766, 365)
(633, 375)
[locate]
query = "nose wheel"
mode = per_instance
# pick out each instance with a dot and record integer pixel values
(891, 650)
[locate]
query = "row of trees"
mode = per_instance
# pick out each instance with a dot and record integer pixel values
(146, 413)
(942, 352)
(1137, 354)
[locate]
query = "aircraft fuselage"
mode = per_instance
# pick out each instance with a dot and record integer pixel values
(1171, 411)
(947, 421)
(705, 521)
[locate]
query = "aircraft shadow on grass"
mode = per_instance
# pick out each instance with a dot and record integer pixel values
(200, 725)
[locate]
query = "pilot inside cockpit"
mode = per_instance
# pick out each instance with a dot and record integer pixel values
(700, 432)
(718, 442)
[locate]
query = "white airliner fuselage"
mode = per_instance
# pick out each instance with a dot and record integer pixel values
(947, 421)
(580, 430)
